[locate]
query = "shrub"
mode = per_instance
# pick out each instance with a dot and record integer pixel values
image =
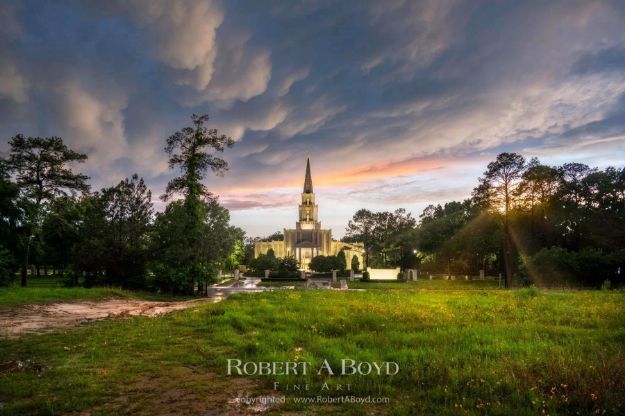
(606, 285)
(341, 261)
(287, 264)
(528, 292)
(324, 264)
(264, 262)
(555, 265)
(355, 264)
(365, 276)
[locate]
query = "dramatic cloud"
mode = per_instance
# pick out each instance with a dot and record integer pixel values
(398, 103)
(13, 86)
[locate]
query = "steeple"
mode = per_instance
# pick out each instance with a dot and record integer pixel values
(308, 188)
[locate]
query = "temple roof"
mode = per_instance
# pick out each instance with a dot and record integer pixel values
(308, 188)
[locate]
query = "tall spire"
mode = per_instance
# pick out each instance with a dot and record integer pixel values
(308, 188)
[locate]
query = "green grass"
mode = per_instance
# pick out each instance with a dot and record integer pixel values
(293, 283)
(516, 352)
(426, 284)
(15, 296)
(50, 289)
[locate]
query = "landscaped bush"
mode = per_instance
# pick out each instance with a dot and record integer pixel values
(263, 262)
(284, 274)
(287, 264)
(365, 276)
(325, 264)
(355, 264)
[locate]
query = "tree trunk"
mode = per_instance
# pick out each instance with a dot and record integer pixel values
(507, 258)
(24, 273)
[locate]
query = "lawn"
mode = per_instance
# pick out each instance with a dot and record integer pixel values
(51, 289)
(426, 284)
(459, 351)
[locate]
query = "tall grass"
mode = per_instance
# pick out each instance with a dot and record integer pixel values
(460, 352)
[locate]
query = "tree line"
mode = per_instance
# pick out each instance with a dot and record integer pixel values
(52, 221)
(549, 225)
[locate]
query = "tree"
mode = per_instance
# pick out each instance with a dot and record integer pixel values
(188, 150)
(539, 183)
(9, 219)
(128, 213)
(238, 254)
(277, 236)
(379, 232)
(341, 260)
(263, 262)
(60, 232)
(178, 267)
(497, 190)
(92, 235)
(191, 150)
(355, 264)
(40, 166)
(359, 228)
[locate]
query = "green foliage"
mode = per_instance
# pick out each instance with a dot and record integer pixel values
(189, 149)
(285, 267)
(192, 237)
(324, 264)
(108, 232)
(355, 264)
(386, 235)
(277, 236)
(287, 264)
(341, 260)
(528, 292)
(178, 266)
(606, 285)
(558, 266)
(263, 262)
(10, 216)
(365, 276)
(237, 255)
(40, 167)
(60, 231)
(7, 267)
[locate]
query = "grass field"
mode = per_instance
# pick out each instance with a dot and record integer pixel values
(51, 289)
(460, 352)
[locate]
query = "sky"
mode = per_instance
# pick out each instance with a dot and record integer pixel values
(397, 103)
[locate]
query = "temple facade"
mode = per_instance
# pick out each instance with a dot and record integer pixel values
(308, 239)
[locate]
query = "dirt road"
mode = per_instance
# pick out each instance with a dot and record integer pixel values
(30, 319)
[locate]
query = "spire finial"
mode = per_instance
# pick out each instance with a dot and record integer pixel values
(308, 187)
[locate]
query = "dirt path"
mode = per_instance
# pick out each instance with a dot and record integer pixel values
(36, 319)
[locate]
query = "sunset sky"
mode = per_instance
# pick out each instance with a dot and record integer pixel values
(398, 103)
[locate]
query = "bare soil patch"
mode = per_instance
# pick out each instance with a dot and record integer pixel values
(37, 319)
(184, 391)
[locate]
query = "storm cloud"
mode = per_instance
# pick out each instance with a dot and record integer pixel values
(398, 103)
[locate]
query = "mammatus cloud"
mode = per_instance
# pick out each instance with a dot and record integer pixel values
(180, 34)
(13, 86)
(397, 103)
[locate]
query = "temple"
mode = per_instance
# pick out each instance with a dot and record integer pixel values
(308, 239)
